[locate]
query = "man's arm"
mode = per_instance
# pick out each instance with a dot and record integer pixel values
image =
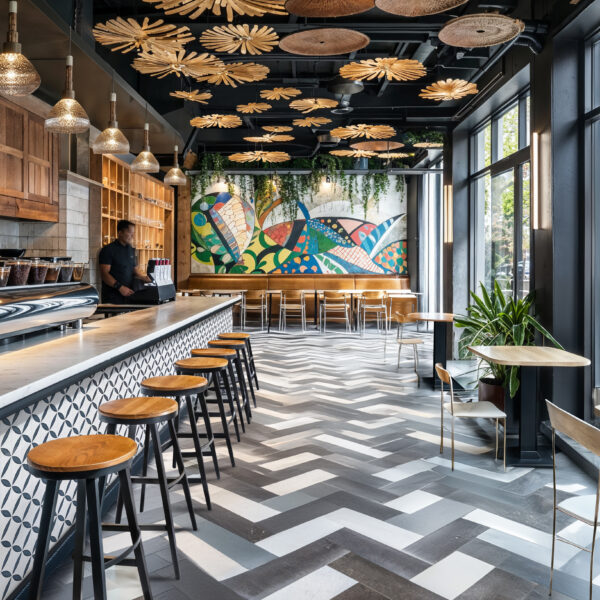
(110, 281)
(141, 275)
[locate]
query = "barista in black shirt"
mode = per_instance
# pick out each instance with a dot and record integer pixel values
(118, 266)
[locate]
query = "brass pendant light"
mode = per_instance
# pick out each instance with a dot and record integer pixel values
(18, 76)
(175, 176)
(145, 161)
(67, 115)
(111, 140)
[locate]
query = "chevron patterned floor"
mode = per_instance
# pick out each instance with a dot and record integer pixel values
(340, 492)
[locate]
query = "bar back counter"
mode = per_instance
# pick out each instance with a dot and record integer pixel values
(51, 387)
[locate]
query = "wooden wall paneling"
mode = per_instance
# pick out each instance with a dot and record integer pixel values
(13, 121)
(184, 237)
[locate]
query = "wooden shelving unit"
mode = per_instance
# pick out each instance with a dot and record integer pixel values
(139, 198)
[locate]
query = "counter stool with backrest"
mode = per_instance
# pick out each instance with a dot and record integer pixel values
(86, 459)
(231, 356)
(240, 347)
(467, 410)
(240, 335)
(583, 508)
(150, 412)
(407, 341)
(187, 387)
(216, 369)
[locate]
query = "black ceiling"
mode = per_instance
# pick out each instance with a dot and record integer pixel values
(381, 102)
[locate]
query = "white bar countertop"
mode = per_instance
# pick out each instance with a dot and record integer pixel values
(33, 367)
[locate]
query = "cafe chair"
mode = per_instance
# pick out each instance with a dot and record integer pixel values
(374, 303)
(581, 508)
(336, 306)
(293, 302)
(406, 341)
(467, 410)
(254, 301)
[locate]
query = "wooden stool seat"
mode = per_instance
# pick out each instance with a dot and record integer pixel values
(190, 384)
(228, 353)
(234, 335)
(409, 341)
(203, 363)
(227, 343)
(145, 407)
(81, 453)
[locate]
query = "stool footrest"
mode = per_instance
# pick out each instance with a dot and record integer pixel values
(171, 481)
(186, 453)
(120, 559)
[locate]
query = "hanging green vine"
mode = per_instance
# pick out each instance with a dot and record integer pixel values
(400, 184)
(366, 191)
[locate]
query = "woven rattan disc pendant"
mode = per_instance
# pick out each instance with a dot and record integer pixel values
(328, 8)
(480, 30)
(417, 8)
(377, 146)
(326, 41)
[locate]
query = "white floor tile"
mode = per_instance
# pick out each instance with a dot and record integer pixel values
(290, 461)
(511, 473)
(354, 446)
(299, 482)
(323, 584)
(378, 423)
(413, 502)
(242, 507)
(288, 424)
(458, 445)
(405, 470)
(453, 575)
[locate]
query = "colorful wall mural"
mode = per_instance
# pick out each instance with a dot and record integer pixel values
(327, 235)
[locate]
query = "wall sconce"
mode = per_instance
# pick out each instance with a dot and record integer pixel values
(448, 214)
(535, 180)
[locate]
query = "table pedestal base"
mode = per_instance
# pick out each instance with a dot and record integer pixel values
(542, 457)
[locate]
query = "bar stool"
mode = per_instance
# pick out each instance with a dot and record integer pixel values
(85, 459)
(240, 335)
(231, 356)
(186, 386)
(240, 347)
(216, 368)
(150, 412)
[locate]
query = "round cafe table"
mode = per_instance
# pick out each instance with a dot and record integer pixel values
(441, 323)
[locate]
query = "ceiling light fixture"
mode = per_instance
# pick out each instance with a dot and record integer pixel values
(111, 140)
(192, 96)
(391, 68)
(307, 105)
(240, 38)
(375, 132)
(448, 89)
(18, 76)
(145, 161)
(194, 8)
(280, 93)
(175, 176)
(259, 155)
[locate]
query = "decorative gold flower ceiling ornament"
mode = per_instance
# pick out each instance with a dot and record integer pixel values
(311, 121)
(373, 132)
(253, 107)
(240, 38)
(428, 145)
(354, 153)
(234, 73)
(193, 96)
(448, 89)
(259, 155)
(277, 128)
(269, 138)
(307, 105)
(160, 63)
(392, 68)
(216, 120)
(194, 8)
(394, 155)
(280, 93)
(128, 35)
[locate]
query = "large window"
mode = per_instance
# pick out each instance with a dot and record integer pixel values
(500, 191)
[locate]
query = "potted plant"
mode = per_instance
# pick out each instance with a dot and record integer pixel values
(496, 319)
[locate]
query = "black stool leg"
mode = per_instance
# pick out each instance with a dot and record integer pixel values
(96, 550)
(209, 434)
(79, 540)
(252, 364)
(198, 449)
(41, 548)
(227, 386)
(145, 467)
(136, 534)
(243, 387)
(235, 394)
(131, 434)
(164, 492)
(184, 481)
(249, 374)
(223, 417)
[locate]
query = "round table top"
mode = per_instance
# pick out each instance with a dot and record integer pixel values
(432, 316)
(529, 356)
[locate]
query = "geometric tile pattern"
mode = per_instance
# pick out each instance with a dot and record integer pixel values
(72, 411)
(340, 493)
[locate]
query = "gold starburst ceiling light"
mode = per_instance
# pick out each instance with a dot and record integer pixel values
(307, 105)
(390, 68)
(159, 63)
(259, 155)
(269, 138)
(280, 93)
(234, 73)
(253, 107)
(193, 96)
(311, 121)
(216, 120)
(428, 145)
(128, 35)
(353, 153)
(194, 8)
(448, 89)
(395, 155)
(277, 128)
(240, 38)
(373, 132)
